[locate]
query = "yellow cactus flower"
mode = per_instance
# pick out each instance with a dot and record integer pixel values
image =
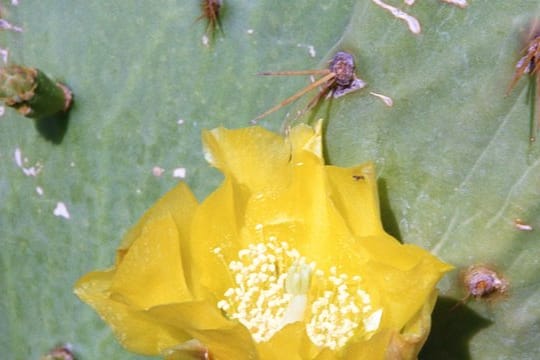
(287, 259)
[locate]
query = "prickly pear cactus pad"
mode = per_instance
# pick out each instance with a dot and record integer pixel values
(457, 174)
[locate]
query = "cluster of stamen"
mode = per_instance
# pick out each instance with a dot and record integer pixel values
(275, 286)
(259, 300)
(339, 310)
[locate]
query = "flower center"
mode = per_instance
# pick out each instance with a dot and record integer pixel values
(275, 286)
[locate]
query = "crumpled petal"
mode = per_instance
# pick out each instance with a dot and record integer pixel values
(139, 281)
(253, 157)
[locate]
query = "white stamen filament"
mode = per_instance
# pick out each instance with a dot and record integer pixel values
(297, 284)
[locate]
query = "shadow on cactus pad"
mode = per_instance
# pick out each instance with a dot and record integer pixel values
(53, 128)
(453, 326)
(390, 222)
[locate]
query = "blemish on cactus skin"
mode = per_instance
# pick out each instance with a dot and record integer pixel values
(179, 173)
(310, 48)
(157, 171)
(482, 282)
(523, 226)
(205, 40)
(387, 100)
(412, 22)
(460, 3)
(6, 25)
(22, 164)
(61, 352)
(4, 54)
(61, 210)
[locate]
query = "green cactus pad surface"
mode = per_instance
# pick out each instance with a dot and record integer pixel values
(456, 169)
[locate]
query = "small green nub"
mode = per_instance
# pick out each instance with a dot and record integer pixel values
(32, 93)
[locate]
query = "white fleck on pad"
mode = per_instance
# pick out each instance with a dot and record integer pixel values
(205, 40)
(4, 53)
(6, 25)
(157, 171)
(386, 99)
(61, 210)
(461, 3)
(179, 173)
(28, 171)
(412, 22)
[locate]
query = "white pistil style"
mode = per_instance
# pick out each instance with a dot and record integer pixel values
(297, 284)
(275, 286)
(259, 299)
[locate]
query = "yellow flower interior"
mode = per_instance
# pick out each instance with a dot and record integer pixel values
(274, 285)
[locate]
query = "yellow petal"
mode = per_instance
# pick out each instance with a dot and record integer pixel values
(406, 344)
(154, 260)
(133, 328)
(153, 263)
(215, 234)
(354, 193)
(149, 271)
(306, 143)
(290, 343)
(180, 203)
(254, 157)
(373, 349)
(417, 282)
(202, 320)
